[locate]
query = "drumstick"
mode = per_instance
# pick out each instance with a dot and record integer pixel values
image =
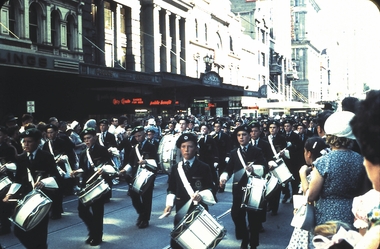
(12, 199)
(38, 179)
(223, 214)
(89, 179)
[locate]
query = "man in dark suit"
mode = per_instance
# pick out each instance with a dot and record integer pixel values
(277, 143)
(150, 133)
(242, 171)
(41, 165)
(90, 158)
(197, 173)
(224, 146)
(294, 144)
(141, 151)
(256, 140)
(208, 152)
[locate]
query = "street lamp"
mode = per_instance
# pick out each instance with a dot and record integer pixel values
(208, 61)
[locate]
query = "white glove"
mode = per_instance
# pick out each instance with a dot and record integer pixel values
(227, 159)
(215, 165)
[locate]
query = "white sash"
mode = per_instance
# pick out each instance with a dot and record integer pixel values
(100, 139)
(184, 180)
(138, 152)
(89, 158)
(51, 147)
(273, 149)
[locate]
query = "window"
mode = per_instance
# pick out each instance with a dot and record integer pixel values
(231, 44)
(94, 12)
(205, 32)
(70, 32)
(14, 13)
(33, 23)
(55, 28)
(196, 28)
(263, 59)
(107, 16)
(122, 20)
(263, 36)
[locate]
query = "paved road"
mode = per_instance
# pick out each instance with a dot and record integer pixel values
(120, 231)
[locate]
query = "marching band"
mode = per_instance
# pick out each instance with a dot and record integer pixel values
(99, 156)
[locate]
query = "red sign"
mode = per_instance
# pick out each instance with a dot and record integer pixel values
(163, 102)
(133, 101)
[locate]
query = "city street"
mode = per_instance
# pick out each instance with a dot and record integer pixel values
(121, 232)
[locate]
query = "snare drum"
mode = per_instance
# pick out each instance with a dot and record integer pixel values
(93, 191)
(31, 210)
(199, 230)
(4, 183)
(271, 185)
(143, 180)
(253, 194)
(281, 172)
(167, 152)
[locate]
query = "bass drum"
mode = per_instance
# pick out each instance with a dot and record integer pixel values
(31, 210)
(167, 153)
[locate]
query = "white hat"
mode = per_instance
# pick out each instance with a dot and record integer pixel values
(151, 121)
(338, 124)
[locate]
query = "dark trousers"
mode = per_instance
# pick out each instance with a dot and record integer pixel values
(35, 238)
(274, 200)
(92, 216)
(5, 213)
(240, 217)
(143, 203)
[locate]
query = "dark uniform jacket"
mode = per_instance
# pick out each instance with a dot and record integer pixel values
(265, 147)
(64, 147)
(99, 156)
(254, 155)
(147, 151)
(208, 151)
(43, 165)
(199, 177)
(109, 140)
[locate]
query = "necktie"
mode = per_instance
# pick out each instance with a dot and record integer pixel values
(103, 136)
(244, 153)
(31, 157)
(255, 142)
(186, 166)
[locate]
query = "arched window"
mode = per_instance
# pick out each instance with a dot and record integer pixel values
(35, 23)
(70, 32)
(55, 29)
(196, 28)
(14, 16)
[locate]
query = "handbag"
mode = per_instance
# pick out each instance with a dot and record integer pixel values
(304, 218)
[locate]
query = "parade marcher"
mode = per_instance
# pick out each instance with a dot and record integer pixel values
(152, 126)
(114, 124)
(197, 174)
(63, 153)
(240, 159)
(41, 165)
(105, 138)
(223, 144)
(137, 159)
(263, 144)
(208, 153)
(7, 155)
(90, 158)
(277, 143)
(150, 135)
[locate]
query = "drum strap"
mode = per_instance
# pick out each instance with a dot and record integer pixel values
(138, 154)
(51, 147)
(89, 158)
(272, 147)
(184, 180)
(101, 142)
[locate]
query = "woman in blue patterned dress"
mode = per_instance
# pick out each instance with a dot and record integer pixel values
(338, 176)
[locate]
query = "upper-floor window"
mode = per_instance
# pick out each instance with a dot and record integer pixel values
(70, 32)
(122, 20)
(55, 28)
(231, 44)
(14, 15)
(263, 36)
(94, 13)
(107, 16)
(196, 28)
(206, 32)
(35, 23)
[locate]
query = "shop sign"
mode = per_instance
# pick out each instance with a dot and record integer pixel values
(132, 101)
(211, 79)
(163, 102)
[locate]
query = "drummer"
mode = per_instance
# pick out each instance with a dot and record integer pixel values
(141, 151)
(7, 155)
(252, 154)
(94, 155)
(198, 174)
(41, 164)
